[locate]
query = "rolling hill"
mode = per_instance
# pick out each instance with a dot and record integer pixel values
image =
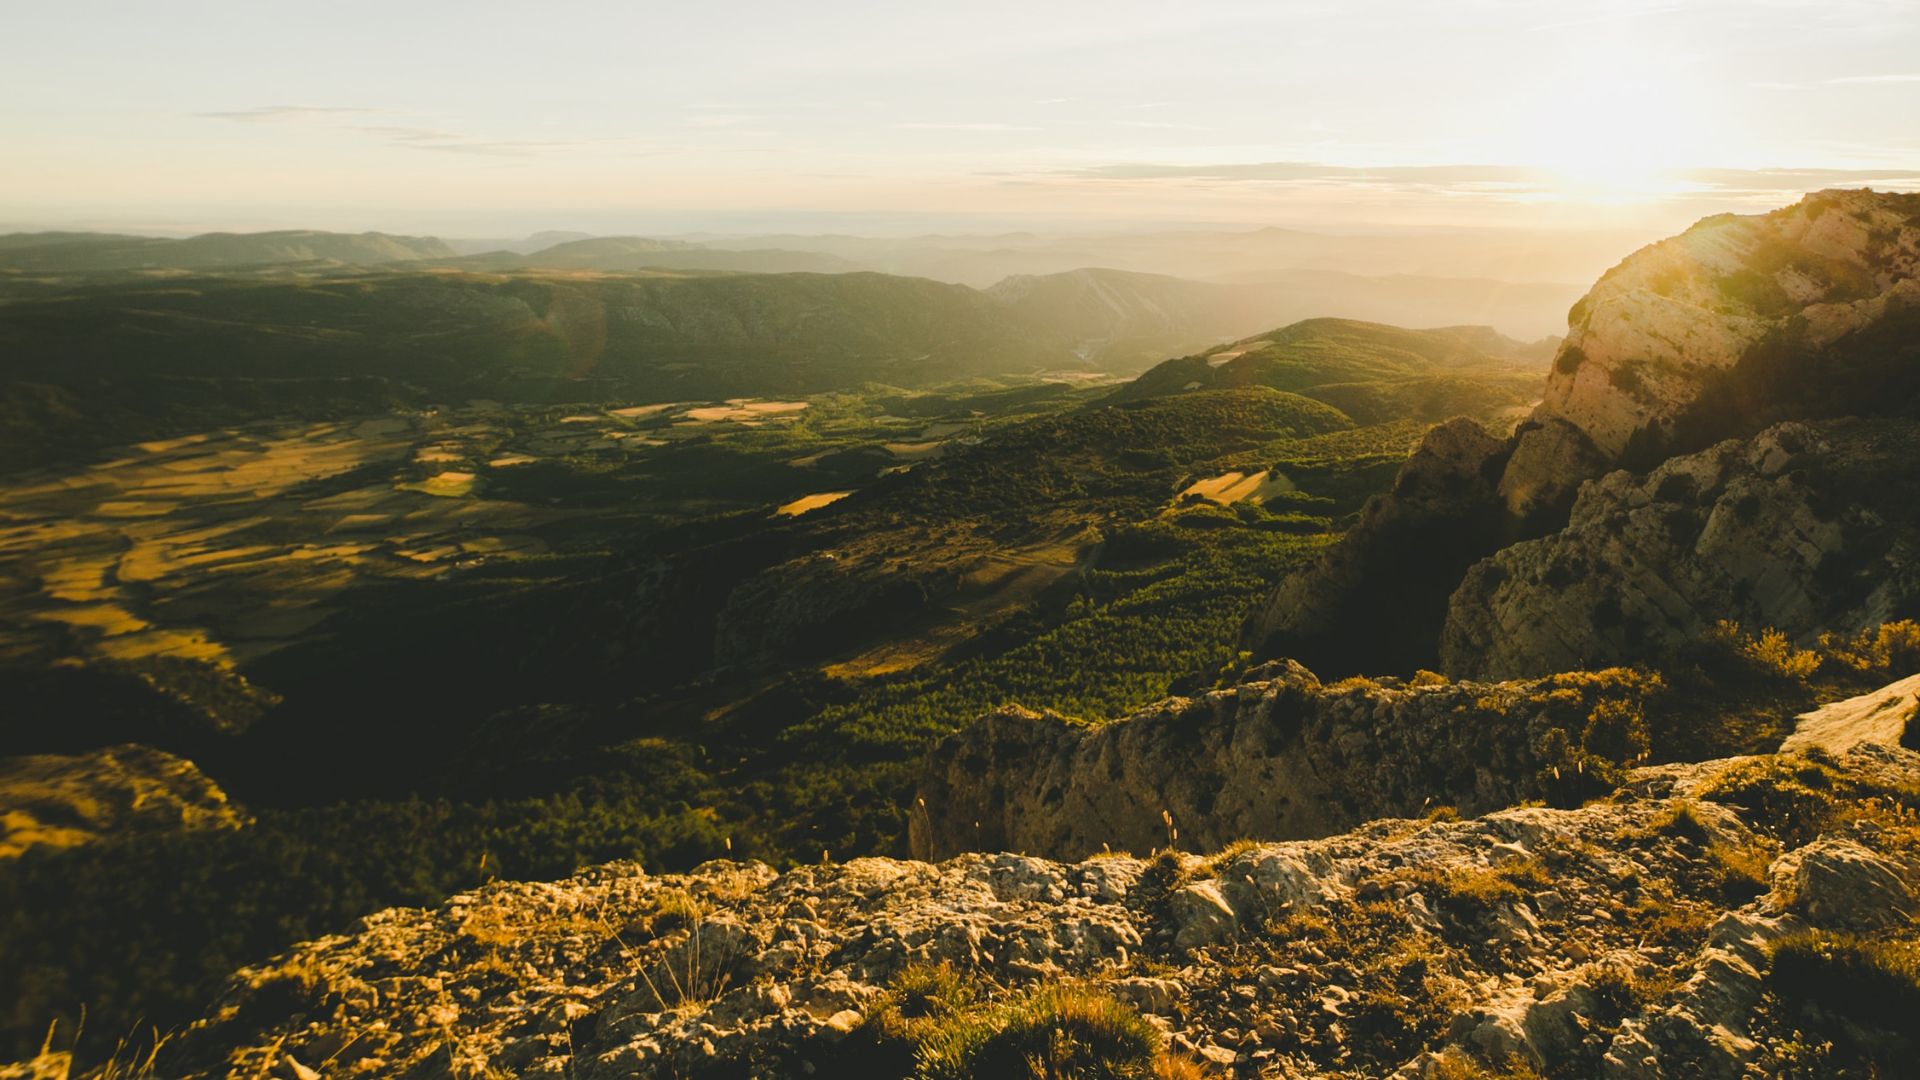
(1368, 370)
(79, 252)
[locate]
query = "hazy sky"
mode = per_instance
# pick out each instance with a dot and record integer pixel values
(477, 118)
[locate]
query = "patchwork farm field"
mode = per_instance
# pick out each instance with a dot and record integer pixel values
(226, 545)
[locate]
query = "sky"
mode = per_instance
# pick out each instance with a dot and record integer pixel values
(492, 119)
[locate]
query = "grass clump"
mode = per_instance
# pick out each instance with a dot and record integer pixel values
(938, 1023)
(1055, 1032)
(1459, 1066)
(1730, 872)
(1796, 797)
(1842, 1005)
(1466, 894)
(1403, 994)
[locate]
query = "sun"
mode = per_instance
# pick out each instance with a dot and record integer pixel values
(1612, 133)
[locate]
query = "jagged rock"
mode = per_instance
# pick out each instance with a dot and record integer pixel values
(1278, 757)
(1840, 882)
(1804, 527)
(1407, 550)
(1546, 453)
(1809, 312)
(63, 800)
(1376, 952)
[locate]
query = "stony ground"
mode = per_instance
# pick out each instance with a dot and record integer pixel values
(1630, 937)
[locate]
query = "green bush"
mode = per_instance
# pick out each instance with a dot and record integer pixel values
(1054, 1033)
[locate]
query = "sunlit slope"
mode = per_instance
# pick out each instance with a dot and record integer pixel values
(1370, 371)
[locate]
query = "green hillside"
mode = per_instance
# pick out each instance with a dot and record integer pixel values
(1370, 371)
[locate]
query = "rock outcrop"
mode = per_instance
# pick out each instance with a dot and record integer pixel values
(62, 800)
(1809, 312)
(1626, 938)
(1804, 527)
(1404, 557)
(1279, 756)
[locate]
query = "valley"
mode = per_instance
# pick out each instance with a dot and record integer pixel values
(405, 586)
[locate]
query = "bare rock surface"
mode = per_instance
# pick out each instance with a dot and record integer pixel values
(1804, 527)
(1608, 940)
(1883, 716)
(1278, 756)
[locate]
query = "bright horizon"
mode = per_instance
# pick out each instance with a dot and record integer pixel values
(497, 120)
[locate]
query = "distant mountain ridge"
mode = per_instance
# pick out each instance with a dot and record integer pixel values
(1411, 280)
(71, 252)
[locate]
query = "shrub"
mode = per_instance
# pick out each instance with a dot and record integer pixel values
(1057, 1031)
(1867, 981)
(1890, 650)
(937, 1024)
(1616, 731)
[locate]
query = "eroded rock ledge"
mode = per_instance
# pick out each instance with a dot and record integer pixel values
(1279, 756)
(1806, 527)
(1625, 938)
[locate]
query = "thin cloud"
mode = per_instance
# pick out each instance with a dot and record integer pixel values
(1481, 179)
(351, 118)
(451, 142)
(1853, 80)
(266, 114)
(966, 127)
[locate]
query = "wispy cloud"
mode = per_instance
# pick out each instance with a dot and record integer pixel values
(353, 119)
(966, 127)
(268, 114)
(1481, 179)
(721, 120)
(1846, 80)
(451, 142)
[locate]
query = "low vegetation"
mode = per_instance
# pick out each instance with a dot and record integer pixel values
(941, 1024)
(1841, 1005)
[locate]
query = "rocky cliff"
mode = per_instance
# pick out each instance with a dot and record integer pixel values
(1808, 312)
(1804, 527)
(1279, 756)
(1695, 924)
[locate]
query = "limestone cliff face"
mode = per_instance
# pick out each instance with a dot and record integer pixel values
(1700, 335)
(1805, 527)
(1279, 756)
(1812, 311)
(1610, 940)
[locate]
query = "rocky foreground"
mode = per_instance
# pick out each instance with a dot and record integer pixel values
(1631, 937)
